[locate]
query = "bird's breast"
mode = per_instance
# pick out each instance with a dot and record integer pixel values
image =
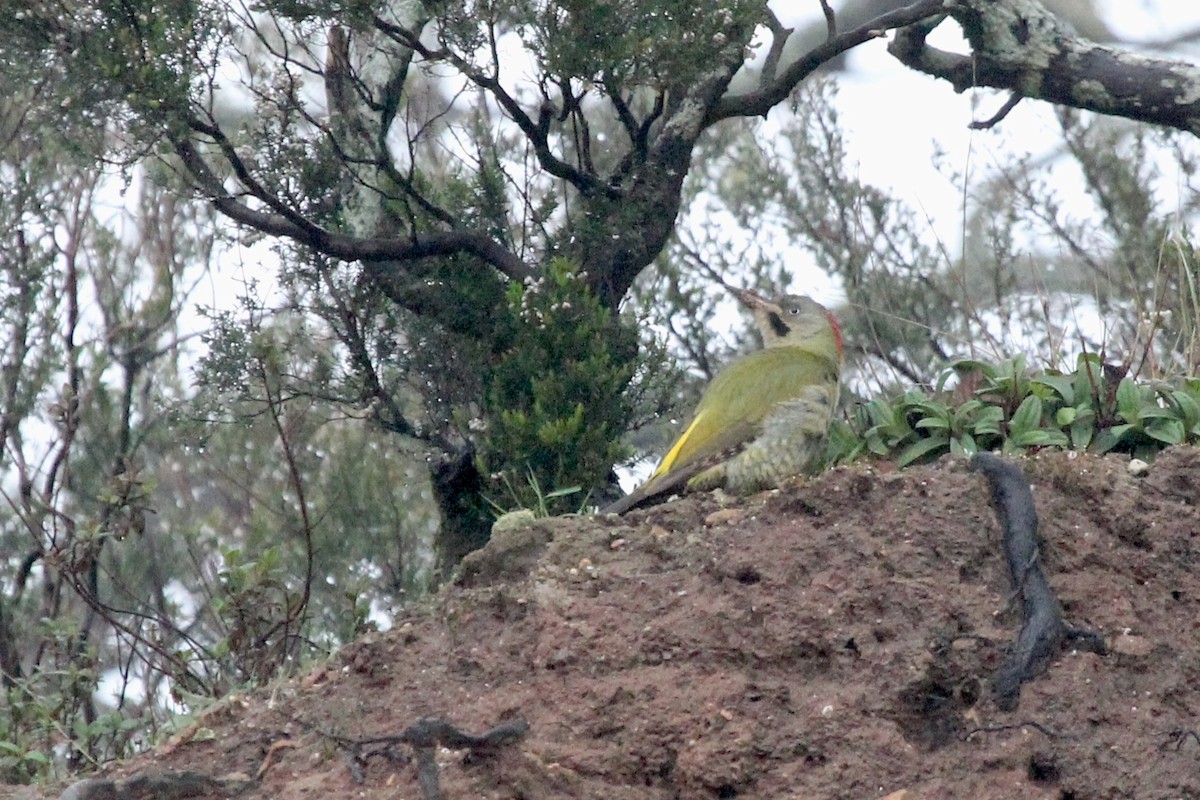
(789, 443)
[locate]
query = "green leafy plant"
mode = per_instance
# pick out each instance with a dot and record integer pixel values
(20, 764)
(543, 501)
(261, 611)
(45, 725)
(1007, 407)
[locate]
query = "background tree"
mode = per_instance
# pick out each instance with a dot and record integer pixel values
(89, 339)
(151, 547)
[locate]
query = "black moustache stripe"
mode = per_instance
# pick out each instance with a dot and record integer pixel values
(778, 325)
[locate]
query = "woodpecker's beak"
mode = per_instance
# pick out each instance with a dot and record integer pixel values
(754, 301)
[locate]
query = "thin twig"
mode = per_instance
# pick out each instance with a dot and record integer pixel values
(830, 21)
(994, 120)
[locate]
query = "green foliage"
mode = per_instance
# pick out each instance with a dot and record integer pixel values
(29, 711)
(543, 503)
(620, 43)
(41, 712)
(372, 518)
(19, 765)
(1096, 408)
(261, 609)
(555, 401)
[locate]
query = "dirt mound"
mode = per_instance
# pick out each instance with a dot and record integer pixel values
(834, 639)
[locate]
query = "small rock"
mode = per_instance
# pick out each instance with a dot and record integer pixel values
(724, 516)
(1130, 645)
(91, 789)
(521, 518)
(1137, 468)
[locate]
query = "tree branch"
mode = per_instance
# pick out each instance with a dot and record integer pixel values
(1020, 46)
(995, 119)
(587, 184)
(348, 248)
(286, 213)
(626, 117)
(656, 187)
(779, 37)
(830, 19)
(759, 102)
(639, 151)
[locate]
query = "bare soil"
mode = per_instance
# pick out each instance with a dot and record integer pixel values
(832, 639)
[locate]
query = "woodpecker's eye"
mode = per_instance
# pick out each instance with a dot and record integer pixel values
(794, 311)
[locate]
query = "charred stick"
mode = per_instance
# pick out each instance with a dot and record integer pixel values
(1043, 631)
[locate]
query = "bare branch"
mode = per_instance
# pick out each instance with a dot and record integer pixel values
(293, 621)
(349, 248)
(624, 114)
(758, 103)
(830, 20)
(641, 140)
(995, 119)
(779, 37)
(586, 183)
(252, 185)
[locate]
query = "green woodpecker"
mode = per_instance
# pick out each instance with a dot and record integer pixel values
(763, 419)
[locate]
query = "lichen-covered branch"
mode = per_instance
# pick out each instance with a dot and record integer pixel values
(1020, 46)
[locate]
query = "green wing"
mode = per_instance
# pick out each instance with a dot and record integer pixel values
(731, 412)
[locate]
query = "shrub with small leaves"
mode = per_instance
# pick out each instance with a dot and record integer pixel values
(261, 611)
(555, 399)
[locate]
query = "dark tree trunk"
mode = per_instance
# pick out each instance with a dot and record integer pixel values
(466, 522)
